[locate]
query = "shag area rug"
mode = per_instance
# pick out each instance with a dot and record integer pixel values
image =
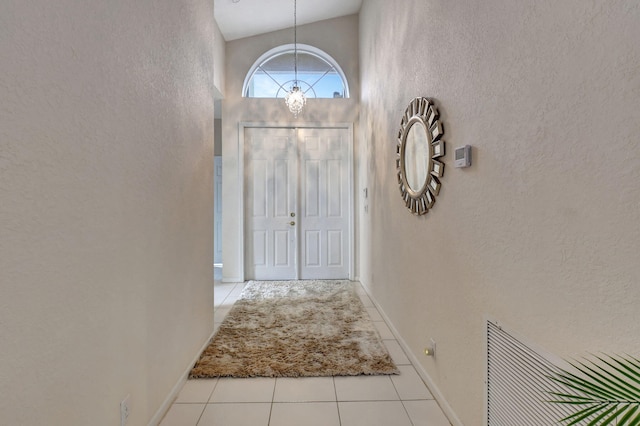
(295, 329)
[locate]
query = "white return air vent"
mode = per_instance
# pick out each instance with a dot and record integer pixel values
(517, 383)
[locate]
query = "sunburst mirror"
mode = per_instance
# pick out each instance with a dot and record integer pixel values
(419, 146)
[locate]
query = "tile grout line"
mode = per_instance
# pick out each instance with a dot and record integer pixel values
(273, 397)
(407, 412)
(335, 394)
(215, 308)
(201, 414)
(402, 401)
(206, 404)
(392, 382)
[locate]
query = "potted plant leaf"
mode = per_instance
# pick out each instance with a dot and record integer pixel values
(604, 391)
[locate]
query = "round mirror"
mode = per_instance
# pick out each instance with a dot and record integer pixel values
(416, 156)
(419, 146)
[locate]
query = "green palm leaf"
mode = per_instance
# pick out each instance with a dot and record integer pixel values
(603, 392)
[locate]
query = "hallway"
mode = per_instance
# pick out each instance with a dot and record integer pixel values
(400, 400)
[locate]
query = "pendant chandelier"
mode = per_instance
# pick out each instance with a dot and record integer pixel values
(295, 98)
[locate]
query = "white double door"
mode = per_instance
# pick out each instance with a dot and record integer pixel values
(297, 205)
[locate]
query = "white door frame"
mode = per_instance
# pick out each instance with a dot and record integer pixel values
(347, 126)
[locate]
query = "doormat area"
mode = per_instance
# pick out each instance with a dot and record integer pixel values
(295, 329)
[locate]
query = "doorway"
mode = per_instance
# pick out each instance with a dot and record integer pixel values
(298, 203)
(217, 218)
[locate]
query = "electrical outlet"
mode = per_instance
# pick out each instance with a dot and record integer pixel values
(125, 410)
(431, 349)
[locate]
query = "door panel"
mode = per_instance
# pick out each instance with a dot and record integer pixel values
(335, 245)
(313, 249)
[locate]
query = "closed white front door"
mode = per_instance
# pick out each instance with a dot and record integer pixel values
(271, 182)
(324, 203)
(297, 206)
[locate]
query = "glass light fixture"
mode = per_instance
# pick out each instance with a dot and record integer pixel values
(295, 99)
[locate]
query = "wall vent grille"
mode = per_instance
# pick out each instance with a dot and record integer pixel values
(517, 383)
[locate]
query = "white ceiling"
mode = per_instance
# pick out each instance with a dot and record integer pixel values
(244, 18)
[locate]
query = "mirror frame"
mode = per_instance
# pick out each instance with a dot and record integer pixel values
(421, 112)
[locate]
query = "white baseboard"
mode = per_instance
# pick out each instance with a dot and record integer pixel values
(232, 280)
(437, 395)
(175, 390)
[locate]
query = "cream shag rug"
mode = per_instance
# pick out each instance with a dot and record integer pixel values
(294, 329)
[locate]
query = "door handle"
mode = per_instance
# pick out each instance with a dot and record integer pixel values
(292, 223)
(293, 214)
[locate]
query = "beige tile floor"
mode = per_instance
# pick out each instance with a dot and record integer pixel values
(317, 401)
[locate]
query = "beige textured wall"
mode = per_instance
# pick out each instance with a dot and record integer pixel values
(219, 69)
(106, 146)
(542, 233)
(337, 37)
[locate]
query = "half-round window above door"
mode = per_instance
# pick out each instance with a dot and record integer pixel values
(272, 75)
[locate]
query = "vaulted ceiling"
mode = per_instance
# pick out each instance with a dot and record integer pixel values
(245, 18)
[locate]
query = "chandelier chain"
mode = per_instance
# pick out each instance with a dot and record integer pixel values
(295, 99)
(295, 41)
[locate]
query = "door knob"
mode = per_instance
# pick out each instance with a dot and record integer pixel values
(292, 223)
(293, 215)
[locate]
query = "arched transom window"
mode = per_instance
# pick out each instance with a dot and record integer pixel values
(272, 75)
